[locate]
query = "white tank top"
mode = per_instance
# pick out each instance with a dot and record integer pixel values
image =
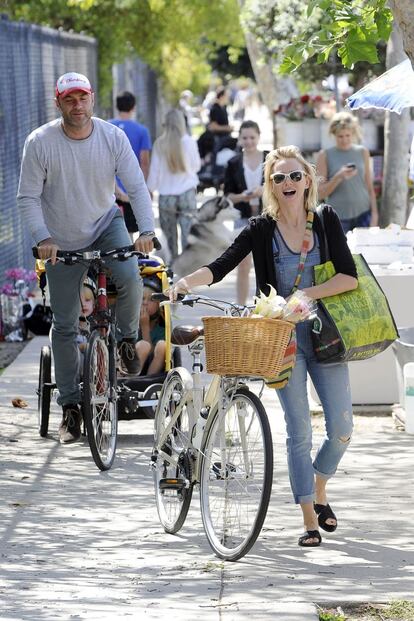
(253, 179)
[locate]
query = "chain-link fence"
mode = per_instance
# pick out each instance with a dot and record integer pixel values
(31, 60)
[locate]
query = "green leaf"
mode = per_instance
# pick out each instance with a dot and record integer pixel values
(355, 50)
(311, 7)
(287, 66)
(383, 21)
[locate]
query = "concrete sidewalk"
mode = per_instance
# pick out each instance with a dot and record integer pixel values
(80, 544)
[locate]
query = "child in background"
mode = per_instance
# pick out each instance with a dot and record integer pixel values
(87, 297)
(151, 339)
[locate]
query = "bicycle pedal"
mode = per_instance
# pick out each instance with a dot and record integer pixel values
(177, 484)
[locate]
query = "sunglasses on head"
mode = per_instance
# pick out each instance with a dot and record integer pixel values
(295, 175)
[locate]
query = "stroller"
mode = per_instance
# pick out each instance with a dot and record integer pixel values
(136, 397)
(215, 151)
(139, 395)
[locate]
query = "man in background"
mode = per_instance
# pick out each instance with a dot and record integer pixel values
(139, 138)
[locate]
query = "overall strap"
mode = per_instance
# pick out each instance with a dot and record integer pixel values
(307, 238)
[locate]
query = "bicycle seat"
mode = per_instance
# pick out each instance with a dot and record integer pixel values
(185, 335)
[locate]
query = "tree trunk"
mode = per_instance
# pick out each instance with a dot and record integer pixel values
(396, 130)
(265, 79)
(403, 11)
(263, 74)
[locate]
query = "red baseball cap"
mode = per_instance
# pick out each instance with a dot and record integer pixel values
(69, 82)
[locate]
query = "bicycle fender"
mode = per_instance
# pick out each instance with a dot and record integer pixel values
(184, 375)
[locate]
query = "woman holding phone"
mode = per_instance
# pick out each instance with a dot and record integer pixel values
(345, 175)
(243, 184)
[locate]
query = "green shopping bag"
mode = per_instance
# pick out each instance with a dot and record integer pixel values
(354, 325)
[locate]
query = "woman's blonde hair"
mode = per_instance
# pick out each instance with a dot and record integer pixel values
(345, 120)
(270, 203)
(169, 145)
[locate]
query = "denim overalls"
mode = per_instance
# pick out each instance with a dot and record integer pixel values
(331, 382)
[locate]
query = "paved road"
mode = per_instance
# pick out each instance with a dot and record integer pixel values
(79, 544)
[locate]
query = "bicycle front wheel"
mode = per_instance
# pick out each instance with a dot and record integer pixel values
(236, 475)
(44, 391)
(170, 459)
(100, 399)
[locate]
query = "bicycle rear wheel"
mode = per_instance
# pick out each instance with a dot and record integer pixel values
(100, 399)
(170, 459)
(236, 475)
(44, 391)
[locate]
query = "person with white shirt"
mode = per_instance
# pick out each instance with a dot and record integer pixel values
(243, 184)
(173, 172)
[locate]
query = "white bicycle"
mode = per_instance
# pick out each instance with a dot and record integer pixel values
(218, 437)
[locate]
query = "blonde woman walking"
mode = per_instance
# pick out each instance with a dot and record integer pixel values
(277, 238)
(173, 172)
(345, 175)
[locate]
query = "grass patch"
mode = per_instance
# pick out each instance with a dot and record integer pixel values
(331, 616)
(397, 610)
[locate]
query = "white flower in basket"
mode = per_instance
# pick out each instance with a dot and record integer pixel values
(298, 306)
(271, 305)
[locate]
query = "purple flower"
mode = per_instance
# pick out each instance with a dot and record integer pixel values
(20, 279)
(31, 276)
(8, 289)
(15, 273)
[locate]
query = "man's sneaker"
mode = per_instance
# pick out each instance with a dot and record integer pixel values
(128, 360)
(70, 427)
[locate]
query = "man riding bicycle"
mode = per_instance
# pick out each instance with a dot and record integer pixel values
(66, 196)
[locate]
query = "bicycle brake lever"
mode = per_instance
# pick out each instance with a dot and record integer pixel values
(157, 244)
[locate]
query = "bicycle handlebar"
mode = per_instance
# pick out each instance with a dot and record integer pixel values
(190, 299)
(72, 256)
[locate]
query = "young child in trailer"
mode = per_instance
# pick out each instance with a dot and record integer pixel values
(151, 345)
(87, 297)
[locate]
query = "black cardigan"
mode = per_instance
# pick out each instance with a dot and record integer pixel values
(257, 236)
(235, 183)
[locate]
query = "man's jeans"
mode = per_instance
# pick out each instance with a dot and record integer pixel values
(65, 282)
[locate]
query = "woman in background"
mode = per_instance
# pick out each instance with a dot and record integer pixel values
(345, 174)
(243, 184)
(173, 171)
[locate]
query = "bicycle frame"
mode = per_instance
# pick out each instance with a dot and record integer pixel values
(99, 382)
(218, 437)
(200, 401)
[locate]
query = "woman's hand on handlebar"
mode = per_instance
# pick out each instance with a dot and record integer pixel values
(47, 249)
(181, 286)
(202, 276)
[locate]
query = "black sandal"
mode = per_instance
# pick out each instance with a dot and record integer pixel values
(324, 513)
(310, 534)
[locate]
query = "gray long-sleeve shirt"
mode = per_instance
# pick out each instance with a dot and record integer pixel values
(66, 188)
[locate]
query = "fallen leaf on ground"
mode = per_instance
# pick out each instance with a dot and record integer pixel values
(19, 403)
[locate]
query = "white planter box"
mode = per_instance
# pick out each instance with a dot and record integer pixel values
(311, 134)
(290, 132)
(327, 140)
(304, 134)
(385, 254)
(373, 236)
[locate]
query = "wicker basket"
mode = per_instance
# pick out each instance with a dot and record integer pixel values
(245, 346)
